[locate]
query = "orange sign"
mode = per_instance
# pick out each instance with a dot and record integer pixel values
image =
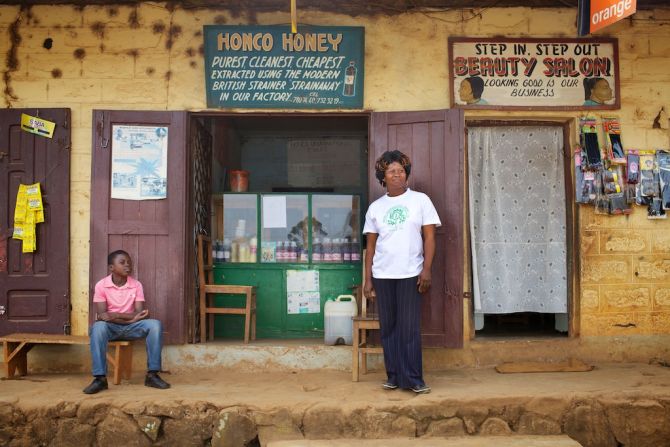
(607, 12)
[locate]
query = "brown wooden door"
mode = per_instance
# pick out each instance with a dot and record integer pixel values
(151, 231)
(434, 141)
(35, 287)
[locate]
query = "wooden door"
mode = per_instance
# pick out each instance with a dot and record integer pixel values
(151, 231)
(434, 141)
(35, 287)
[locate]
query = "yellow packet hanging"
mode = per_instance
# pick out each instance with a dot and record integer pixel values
(34, 196)
(20, 209)
(18, 231)
(29, 240)
(39, 216)
(28, 246)
(30, 217)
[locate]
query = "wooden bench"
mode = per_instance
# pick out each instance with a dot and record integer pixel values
(16, 347)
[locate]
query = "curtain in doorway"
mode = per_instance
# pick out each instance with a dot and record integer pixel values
(517, 219)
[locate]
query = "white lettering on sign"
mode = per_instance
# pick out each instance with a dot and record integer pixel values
(616, 10)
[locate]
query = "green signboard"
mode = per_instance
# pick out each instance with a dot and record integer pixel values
(319, 67)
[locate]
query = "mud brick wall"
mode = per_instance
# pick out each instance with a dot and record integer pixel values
(150, 57)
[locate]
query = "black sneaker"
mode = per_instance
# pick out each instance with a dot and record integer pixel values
(421, 389)
(154, 381)
(98, 384)
(389, 386)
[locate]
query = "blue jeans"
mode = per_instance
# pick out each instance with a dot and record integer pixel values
(103, 332)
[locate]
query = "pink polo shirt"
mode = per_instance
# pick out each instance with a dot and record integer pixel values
(119, 299)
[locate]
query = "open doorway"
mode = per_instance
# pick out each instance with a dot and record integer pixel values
(519, 229)
(280, 194)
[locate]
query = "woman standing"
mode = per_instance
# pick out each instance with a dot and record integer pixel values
(400, 228)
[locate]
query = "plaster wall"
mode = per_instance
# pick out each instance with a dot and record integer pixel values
(150, 57)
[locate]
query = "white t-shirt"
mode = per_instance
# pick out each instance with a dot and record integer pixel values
(397, 221)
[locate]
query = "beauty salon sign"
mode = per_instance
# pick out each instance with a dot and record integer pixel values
(537, 74)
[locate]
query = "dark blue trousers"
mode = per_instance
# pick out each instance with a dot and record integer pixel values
(399, 303)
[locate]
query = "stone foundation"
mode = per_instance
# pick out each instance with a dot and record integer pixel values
(592, 421)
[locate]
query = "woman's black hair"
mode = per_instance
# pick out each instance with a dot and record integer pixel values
(386, 159)
(477, 85)
(589, 83)
(112, 256)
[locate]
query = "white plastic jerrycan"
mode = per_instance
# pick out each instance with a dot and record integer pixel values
(337, 324)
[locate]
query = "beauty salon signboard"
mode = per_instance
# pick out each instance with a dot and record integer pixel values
(534, 74)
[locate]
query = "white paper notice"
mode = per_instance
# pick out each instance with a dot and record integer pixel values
(274, 211)
(139, 162)
(302, 292)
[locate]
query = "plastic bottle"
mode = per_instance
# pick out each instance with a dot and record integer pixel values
(219, 251)
(293, 252)
(346, 250)
(281, 252)
(215, 251)
(337, 250)
(226, 250)
(253, 249)
(355, 251)
(317, 250)
(244, 251)
(304, 254)
(327, 250)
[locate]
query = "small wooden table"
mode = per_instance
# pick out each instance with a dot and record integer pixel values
(16, 347)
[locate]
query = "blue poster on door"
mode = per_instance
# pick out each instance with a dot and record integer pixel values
(319, 67)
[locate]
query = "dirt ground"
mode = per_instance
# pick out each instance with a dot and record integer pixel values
(267, 389)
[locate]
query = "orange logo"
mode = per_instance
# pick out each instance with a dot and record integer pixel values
(606, 12)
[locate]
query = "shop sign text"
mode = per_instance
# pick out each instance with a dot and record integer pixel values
(534, 73)
(269, 67)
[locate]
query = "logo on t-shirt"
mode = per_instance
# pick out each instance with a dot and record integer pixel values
(396, 216)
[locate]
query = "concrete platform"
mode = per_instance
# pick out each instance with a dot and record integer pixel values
(457, 441)
(615, 404)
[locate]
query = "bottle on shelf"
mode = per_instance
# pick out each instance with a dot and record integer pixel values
(253, 249)
(219, 251)
(293, 252)
(304, 253)
(355, 250)
(337, 251)
(215, 251)
(317, 250)
(327, 250)
(226, 250)
(346, 250)
(281, 252)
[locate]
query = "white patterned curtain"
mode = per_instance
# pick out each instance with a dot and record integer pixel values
(517, 219)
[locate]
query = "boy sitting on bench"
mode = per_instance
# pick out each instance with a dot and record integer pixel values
(119, 301)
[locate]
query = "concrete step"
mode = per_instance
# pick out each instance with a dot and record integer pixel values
(459, 441)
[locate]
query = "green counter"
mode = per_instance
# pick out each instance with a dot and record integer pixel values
(272, 318)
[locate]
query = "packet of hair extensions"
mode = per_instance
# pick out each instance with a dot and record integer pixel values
(632, 166)
(615, 151)
(585, 191)
(610, 180)
(648, 174)
(655, 209)
(589, 142)
(619, 204)
(663, 160)
(630, 191)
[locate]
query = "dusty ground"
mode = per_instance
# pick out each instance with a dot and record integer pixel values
(303, 388)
